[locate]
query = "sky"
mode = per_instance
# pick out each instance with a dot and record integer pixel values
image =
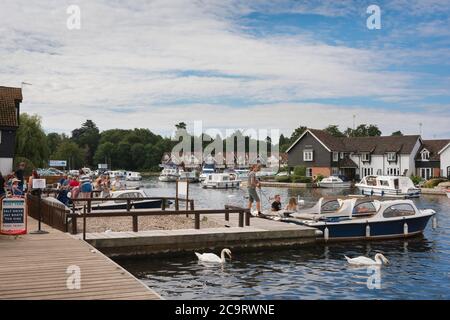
(230, 64)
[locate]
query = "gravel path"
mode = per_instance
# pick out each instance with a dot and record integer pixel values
(144, 223)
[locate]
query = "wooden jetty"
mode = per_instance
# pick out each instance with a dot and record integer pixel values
(35, 266)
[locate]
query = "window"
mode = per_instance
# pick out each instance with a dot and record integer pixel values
(392, 156)
(364, 208)
(448, 172)
(399, 210)
(308, 155)
(367, 171)
(384, 183)
(365, 156)
(335, 156)
(393, 171)
(342, 155)
(332, 205)
(334, 171)
(425, 173)
(425, 155)
(309, 172)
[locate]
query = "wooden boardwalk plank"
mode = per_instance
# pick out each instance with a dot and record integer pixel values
(35, 267)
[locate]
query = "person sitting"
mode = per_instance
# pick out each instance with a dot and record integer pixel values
(15, 188)
(292, 205)
(276, 205)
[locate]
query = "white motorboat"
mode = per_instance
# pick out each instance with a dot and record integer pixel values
(118, 201)
(191, 176)
(221, 181)
(133, 176)
(208, 168)
(169, 175)
(367, 218)
(118, 173)
(334, 182)
(388, 186)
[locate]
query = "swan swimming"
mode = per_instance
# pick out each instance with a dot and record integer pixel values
(379, 259)
(211, 257)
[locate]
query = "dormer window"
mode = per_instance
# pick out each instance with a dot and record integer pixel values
(425, 155)
(308, 155)
(365, 156)
(335, 156)
(392, 156)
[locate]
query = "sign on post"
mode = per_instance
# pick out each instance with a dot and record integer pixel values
(182, 191)
(13, 220)
(39, 183)
(57, 163)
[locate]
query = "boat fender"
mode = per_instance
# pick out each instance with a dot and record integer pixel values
(371, 192)
(382, 193)
(434, 223)
(405, 228)
(326, 233)
(368, 230)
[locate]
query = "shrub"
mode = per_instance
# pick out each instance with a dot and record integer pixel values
(301, 179)
(416, 179)
(319, 178)
(300, 171)
(283, 179)
(433, 182)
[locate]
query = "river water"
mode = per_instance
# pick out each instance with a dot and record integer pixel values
(419, 267)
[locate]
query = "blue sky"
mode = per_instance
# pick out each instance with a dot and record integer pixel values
(243, 64)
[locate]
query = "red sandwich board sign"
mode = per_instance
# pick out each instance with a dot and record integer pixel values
(13, 219)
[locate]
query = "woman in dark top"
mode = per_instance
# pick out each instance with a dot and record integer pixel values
(2, 186)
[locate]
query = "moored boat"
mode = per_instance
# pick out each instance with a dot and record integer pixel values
(169, 175)
(118, 201)
(388, 186)
(369, 219)
(334, 182)
(190, 176)
(221, 181)
(133, 176)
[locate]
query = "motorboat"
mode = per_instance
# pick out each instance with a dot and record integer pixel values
(334, 182)
(242, 173)
(117, 173)
(221, 181)
(207, 169)
(118, 201)
(190, 176)
(267, 172)
(388, 186)
(365, 218)
(133, 176)
(169, 175)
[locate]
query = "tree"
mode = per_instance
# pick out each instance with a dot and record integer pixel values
(72, 153)
(364, 130)
(397, 134)
(297, 133)
(88, 136)
(334, 131)
(31, 141)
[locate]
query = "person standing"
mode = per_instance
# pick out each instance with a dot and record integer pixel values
(2, 186)
(19, 173)
(254, 183)
(85, 185)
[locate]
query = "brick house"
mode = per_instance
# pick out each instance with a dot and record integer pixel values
(10, 100)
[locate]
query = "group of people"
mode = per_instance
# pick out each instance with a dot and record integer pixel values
(254, 184)
(82, 186)
(14, 183)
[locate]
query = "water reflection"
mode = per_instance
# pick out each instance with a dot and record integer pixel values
(419, 269)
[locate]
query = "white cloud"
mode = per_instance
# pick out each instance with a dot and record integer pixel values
(129, 56)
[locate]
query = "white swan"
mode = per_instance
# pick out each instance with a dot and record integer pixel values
(379, 260)
(211, 257)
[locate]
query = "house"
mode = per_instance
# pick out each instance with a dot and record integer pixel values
(10, 100)
(428, 159)
(444, 155)
(354, 157)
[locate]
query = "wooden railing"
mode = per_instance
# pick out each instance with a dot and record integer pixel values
(244, 214)
(53, 213)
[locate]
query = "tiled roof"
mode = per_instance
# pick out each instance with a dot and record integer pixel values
(433, 146)
(375, 145)
(8, 112)
(347, 163)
